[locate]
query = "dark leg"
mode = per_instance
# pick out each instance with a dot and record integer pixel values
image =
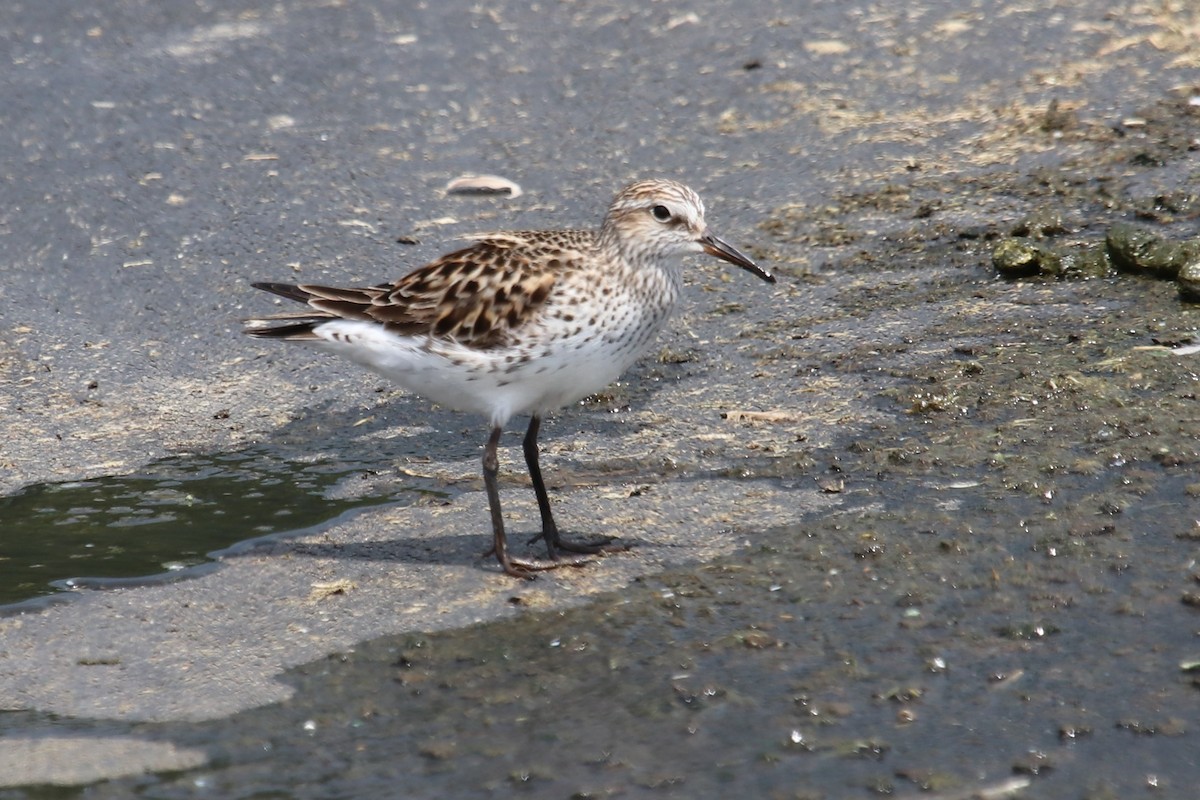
(491, 469)
(520, 568)
(530, 446)
(554, 542)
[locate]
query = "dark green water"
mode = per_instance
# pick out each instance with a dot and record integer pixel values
(163, 520)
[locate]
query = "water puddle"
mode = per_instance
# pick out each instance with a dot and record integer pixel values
(165, 521)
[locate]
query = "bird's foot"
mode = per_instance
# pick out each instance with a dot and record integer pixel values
(527, 568)
(595, 547)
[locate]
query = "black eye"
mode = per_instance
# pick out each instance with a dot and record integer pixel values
(661, 213)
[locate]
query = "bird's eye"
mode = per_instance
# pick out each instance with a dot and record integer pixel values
(661, 213)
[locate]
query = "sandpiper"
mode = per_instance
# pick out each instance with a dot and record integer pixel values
(521, 322)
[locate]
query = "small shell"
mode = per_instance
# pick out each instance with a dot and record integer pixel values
(483, 184)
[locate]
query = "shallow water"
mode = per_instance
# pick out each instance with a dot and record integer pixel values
(165, 520)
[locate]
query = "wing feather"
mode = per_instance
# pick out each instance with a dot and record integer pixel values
(477, 296)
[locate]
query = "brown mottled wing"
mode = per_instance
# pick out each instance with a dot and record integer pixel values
(476, 296)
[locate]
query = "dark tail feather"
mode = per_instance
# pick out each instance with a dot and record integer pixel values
(284, 290)
(297, 326)
(297, 330)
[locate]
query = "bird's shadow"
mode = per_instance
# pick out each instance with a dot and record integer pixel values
(415, 546)
(372, 446)
(440, 549)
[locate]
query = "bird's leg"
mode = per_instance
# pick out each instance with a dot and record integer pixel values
(530, 446)
(517, 567)
(554, 542)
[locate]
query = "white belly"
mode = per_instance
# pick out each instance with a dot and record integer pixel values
(497, 384)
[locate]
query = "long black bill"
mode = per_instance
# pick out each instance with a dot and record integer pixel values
(716, 246)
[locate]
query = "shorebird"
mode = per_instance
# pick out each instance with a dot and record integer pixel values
(521, 322)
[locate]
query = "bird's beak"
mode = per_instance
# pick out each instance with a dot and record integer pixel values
(716, 246)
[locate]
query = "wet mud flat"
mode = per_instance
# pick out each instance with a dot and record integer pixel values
(1005, 600)
(1004, 603)
(903, 527)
